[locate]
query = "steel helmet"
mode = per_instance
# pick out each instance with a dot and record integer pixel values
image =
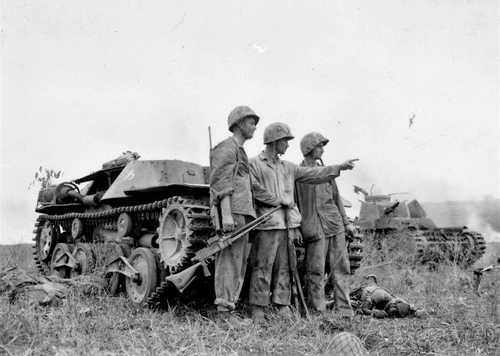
(398, 307)
(276, 131)
(310, 141)
(238, 114)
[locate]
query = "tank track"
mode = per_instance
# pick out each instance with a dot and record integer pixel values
(199, 229)
(39, 265)
(462, 247)
(355, 251)
(149, 212)
(157, 299)
(479, 244)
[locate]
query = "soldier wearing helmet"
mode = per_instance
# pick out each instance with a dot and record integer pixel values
(231, 195)
(323, 228)
(371, 299)
(273, 182)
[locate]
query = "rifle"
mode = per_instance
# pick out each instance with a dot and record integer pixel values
(183, 279)
(296, 286)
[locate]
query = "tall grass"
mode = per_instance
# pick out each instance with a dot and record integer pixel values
(457, 323)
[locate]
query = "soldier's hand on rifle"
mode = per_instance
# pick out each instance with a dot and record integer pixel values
(349, 164)
(287, 202)
(298, 240)
(227, 223)
(349, 228)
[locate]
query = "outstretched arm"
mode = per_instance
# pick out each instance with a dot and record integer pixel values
(317, 175)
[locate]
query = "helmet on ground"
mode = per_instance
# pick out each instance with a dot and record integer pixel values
(276, 131)
(373, 277)
(310, 141)
(398, 308)
(238, 114)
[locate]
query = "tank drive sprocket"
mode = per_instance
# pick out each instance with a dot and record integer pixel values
(185, 227)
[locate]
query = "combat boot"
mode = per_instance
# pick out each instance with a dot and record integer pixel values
(257, 313)
(284, 310)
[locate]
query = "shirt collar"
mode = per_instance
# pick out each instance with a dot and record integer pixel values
(236, 141)
(264, 157)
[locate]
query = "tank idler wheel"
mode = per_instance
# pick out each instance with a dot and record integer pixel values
(76, 228)
(47, 241)
(85, 258)
(60, 255)
(124, 225)
(144, 262)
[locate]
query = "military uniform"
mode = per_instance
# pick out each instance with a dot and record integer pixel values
(272, 180)
(322, 227)
(229, 176)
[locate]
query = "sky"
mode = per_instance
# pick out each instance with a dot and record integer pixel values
(83, 81)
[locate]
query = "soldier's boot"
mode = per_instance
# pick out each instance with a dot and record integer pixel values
(257, 313)
(284, 310)
(222, 309)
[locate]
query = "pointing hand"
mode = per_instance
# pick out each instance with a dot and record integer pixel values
(349, 164)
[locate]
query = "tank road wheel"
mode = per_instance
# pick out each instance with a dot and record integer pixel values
(124, 225)
(143, 261)
(76, 228)
(60, 256)
(85, 258)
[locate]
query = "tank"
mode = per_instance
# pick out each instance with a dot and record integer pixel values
(142, 220)
(382, 218)
(148, 216)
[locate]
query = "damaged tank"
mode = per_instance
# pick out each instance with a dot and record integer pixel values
(145, 221)
(384, 220)
(150, 217)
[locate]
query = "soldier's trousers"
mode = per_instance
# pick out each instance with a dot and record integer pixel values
(230, 268)
(270, 279)
(334, 250)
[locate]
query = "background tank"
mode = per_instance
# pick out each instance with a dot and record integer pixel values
(382, 218)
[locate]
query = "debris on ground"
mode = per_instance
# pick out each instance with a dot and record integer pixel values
(17, 284)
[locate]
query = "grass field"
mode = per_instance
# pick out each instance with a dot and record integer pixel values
(457, 322)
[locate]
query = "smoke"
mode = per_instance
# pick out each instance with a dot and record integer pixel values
(484, 217)
(489, 212)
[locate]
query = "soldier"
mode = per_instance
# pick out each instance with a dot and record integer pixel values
(371, 299)
(273, 183)
(231, 196)
(323, 228)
